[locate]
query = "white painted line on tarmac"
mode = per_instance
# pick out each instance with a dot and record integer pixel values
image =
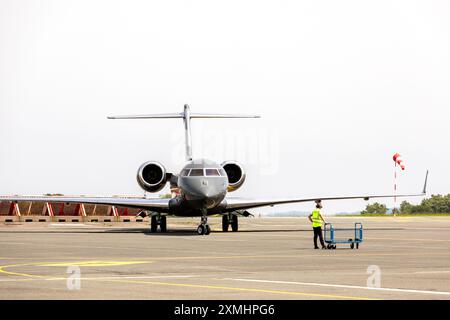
(12, 242)
(408, 239)
(343, 286)
(210, 239)
(18, 280)
(425, 228)
(69, 225)
(432, 272)
(435, 247)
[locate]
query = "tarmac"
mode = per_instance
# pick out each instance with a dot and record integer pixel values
(269, 258)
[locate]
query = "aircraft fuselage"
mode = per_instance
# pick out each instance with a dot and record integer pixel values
(203, 186)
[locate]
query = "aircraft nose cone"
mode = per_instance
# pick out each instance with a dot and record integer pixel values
(203, 189)
(204, 193)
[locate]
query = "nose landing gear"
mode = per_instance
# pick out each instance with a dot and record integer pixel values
(204, 228)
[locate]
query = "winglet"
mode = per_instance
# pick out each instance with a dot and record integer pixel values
(424, 191)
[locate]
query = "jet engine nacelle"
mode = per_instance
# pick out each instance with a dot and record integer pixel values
(152, 176)
(235, 173)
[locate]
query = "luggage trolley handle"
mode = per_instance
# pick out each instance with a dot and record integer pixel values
(329, 232)
(358, 231)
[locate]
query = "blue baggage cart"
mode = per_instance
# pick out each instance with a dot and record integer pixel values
(352, 236)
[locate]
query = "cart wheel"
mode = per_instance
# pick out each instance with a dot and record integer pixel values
(357, 245)
(352, 245)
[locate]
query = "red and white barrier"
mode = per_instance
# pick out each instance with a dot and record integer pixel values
(14, 209)
(48, 208)
(114, 212)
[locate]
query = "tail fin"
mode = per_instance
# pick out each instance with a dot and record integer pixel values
(186, 116)
(424, 191)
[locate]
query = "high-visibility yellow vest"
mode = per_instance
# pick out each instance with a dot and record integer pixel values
(316, 221)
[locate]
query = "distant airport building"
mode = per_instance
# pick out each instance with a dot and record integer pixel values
(63, 212)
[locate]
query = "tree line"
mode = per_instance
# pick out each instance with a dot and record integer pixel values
(436, 204)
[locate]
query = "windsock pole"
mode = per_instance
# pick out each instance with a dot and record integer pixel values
(395, 189)
(397, 160)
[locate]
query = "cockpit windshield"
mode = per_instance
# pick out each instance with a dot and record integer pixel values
(202, 173)
(212, 172)
(196, 173)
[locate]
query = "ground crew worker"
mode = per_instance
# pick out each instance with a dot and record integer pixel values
(316, 219)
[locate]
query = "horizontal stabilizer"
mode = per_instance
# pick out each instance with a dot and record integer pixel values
(182, 115)
(223, 116)
(187, 115)
(150, 116)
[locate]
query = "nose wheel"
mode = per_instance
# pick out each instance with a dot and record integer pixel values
(204, 228)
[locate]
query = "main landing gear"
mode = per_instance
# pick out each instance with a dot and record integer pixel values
(204, 228)
(160, 221)
(230, 219)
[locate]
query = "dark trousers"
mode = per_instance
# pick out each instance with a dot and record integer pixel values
(318, 233)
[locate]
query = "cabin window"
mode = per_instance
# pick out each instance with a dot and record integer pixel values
(185, 172)
(196, 173)
(212, 172)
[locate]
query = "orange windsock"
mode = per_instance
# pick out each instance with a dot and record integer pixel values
(399, 160)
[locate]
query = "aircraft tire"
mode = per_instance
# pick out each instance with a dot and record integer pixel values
(207, 229)
(235, 224)
(201, 230)
(163, 224)
(225, 223)
(153, 224)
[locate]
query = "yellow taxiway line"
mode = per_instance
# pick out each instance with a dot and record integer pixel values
(280, 292)
(173, 284)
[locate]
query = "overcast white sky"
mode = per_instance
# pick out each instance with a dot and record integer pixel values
(341, 87)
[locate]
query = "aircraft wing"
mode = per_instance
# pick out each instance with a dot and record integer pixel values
(156, 204)
(243, 203)
(234, 204)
